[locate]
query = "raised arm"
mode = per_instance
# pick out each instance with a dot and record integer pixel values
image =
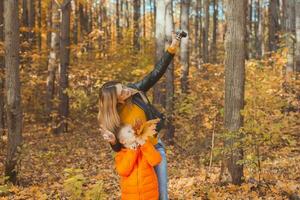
(151, 154)
(159, 69)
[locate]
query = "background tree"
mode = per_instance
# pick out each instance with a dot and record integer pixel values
(184, 45)
(297, 55)
(289, 28)
(206, 32)
(136, 24)
(169, 74)
(2, 70)
(63, 67)
(53, 59)
(12, 87)
(234, 82)
(273, 24)
(158, 94)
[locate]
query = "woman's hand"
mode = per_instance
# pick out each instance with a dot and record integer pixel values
(175, 40)
(108, 135)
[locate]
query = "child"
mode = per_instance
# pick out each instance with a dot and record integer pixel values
(134, 164)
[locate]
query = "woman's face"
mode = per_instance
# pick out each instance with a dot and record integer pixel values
(123, 92)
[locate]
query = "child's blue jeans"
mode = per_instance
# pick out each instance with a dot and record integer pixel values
(161, 171)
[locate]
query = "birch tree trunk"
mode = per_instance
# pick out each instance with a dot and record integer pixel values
(234, 81)
(184, 45)
(158, 94)
(289, 28)
(53, 59)
(169, 74)
(12, 87)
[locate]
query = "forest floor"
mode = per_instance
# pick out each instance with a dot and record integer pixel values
(45, 157)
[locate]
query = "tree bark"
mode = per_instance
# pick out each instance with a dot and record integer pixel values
(2, 68)
(75, 25)
(39, 19)
(297, 53)
(234, 81)
(273, 25)
(63, 112)
(214, 32)
(12, 87)
(158, 93)
(184, 45)
(31, 21)
(118, 21)
(169, 74)
(53, 59)
(289, 27)
(136, 24)
(206, 32)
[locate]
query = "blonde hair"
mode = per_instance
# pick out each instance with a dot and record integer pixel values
(108, 114)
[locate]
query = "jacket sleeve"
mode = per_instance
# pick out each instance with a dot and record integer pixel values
(125, 161)
(151, 154)
(159, 69)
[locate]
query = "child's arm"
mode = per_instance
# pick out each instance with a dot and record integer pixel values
(125, 160)
(152, 155)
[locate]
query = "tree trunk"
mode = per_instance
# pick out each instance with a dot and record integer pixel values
(289, 28)
(13, 87)
(261, 31)
(158, 93)
(2, 69)
(234, 81)
(75, 24)
(169, 74)
(63, 111)
(206, 32)
(136, 24)
(273, 25)
(39, 18)
(127, 15)
(53, 59)
(49, 23)
(184, 45)
(297, 53)
(256, 25)
(118, 21)
(214, 33)
(31, 20)
(196, 28)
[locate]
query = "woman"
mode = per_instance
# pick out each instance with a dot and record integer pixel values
(129, 105)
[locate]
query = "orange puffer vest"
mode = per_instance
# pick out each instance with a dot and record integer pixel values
(138, 178)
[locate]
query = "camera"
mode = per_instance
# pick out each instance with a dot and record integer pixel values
(181, 33)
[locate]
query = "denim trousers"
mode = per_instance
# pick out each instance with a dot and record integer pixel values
(161, 171)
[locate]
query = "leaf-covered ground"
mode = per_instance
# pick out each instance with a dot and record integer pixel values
(47, 156)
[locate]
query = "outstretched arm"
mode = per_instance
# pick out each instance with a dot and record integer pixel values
(160, 67)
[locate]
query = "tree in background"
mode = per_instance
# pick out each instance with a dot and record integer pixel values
(63, 110)
(297, 53)
(160, 32)
(136, 24)
(12, 87)
(234, 83)
(184, 45)
(2, 113)
(169, 74)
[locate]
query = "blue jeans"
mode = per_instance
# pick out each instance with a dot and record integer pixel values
(161, 171)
